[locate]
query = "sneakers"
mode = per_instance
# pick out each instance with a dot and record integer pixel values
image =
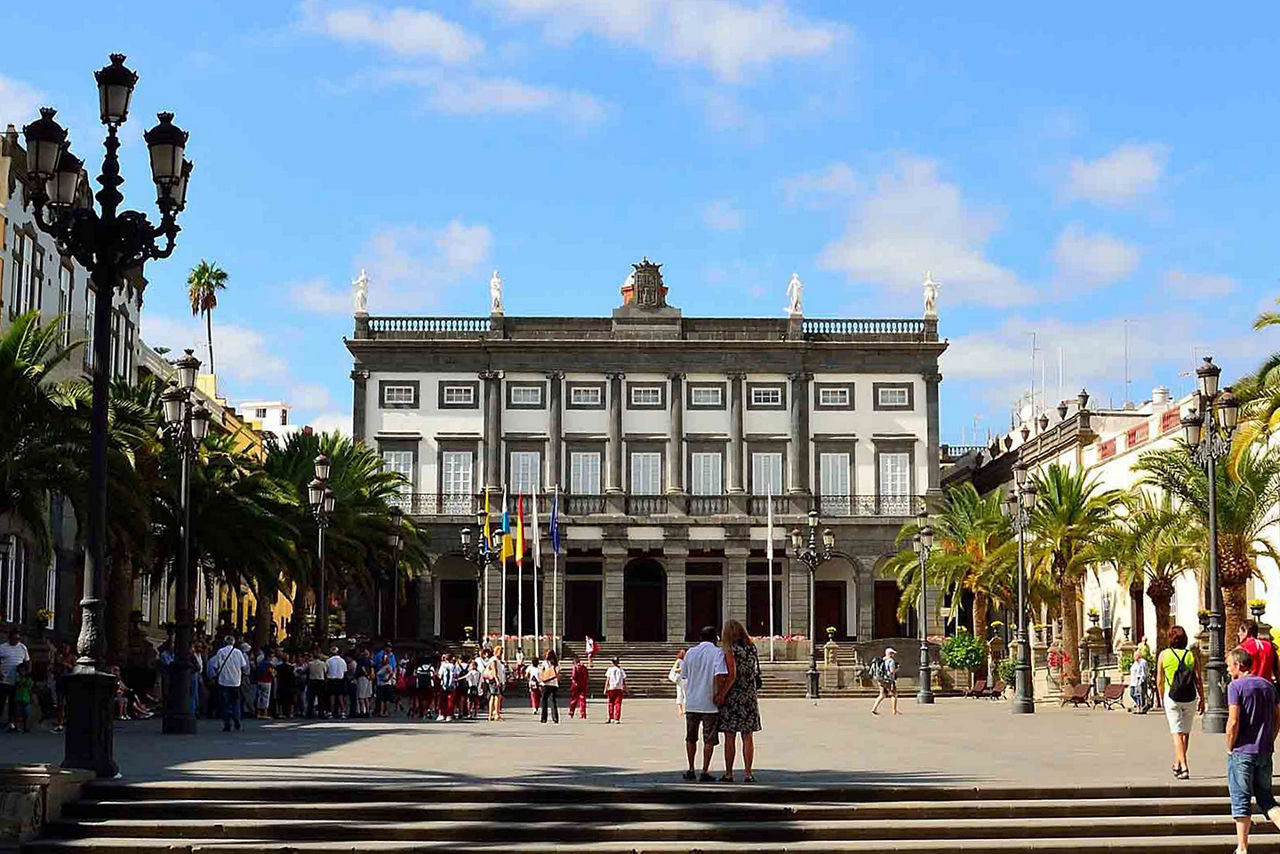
(689, 776)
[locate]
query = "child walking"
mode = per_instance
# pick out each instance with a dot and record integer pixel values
(535, 687)
(579, 678)
(615, 685)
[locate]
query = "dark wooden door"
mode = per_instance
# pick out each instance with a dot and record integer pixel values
(457, 607)
(758, 608)
(884, 622)
(702, 607)
(582, 609)
(515, 605)
(829, 606)
(644, 602)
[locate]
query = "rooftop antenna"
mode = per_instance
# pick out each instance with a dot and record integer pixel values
(1060, 397)
(1032, 396)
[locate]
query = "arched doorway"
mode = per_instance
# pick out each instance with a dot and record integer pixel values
(835, 598)
(644, 601)
(456, 596)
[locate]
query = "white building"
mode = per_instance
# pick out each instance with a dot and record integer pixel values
(269, 416)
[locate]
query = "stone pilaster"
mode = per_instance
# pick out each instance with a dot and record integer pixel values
(552, 595)
(492, 431)
(798, 444)
(866, 596)
(733, 467)
(359, 403)
(555, 382)
(613, 473)
(424, 606)
(735, 584)
(676, 593)
(614, 563)
(932, 379)
(675, 435)
(798, 594)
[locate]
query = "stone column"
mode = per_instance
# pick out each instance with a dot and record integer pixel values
(613, 475)
(615, 559)
(734, 462)
(359, 402)
(424, 606)
(675, 559)
(492, 431)
(798, 593)
(675, 435)
(932, 379)
(735, 583)
(555, 380)
(798, 444)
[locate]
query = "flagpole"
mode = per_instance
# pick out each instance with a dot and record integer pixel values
(555, 568)
(520, 571)
(769, 559)
(537, 556)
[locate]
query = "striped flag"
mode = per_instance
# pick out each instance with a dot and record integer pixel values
(535, 535)
(486, 541)
(555, 521)
(507, 546)
(520, 529)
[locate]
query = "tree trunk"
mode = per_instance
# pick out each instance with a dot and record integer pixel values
(208, 325)
(980, 620)
(1163, 620)
(1070, 632)
(1235, 604)
(262, 621)
(119, 595)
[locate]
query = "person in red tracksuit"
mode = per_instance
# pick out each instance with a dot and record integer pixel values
(578, 680)
(615, 685)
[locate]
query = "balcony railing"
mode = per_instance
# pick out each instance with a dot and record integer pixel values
(708, 505)
(429, 325)
(430, 504)
(760, 505)
(646, 505)
(583, 505)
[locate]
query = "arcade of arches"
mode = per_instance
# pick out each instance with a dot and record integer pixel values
(650, 596)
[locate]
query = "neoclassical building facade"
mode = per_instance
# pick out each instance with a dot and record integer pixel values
(664, 437)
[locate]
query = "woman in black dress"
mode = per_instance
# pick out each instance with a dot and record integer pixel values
(738, 700)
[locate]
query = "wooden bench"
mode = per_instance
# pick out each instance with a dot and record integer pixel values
(1077, 696)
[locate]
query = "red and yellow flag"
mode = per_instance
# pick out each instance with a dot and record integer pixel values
(520, 529)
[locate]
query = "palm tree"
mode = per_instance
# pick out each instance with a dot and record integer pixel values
(1071, 516)
(1259, 394)
(1248, 490)
(1267, 318)
(203, 284)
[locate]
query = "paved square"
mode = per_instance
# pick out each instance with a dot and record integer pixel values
(956, 741)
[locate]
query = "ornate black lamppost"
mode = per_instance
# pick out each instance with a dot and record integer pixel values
(923, 545)
(1018, 507)
(810, 555)
(187, 423)
(322, 501)
(108, 244)
(1207, 431)
(486, 556)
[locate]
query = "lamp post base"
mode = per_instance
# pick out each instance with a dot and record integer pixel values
(811, 691)
(1215, 721)
(179, 718)
(89, 742)
(924, 696)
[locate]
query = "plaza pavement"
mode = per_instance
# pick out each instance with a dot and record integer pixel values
(955, 742)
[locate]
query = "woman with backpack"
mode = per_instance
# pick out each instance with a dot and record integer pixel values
(1180, 684)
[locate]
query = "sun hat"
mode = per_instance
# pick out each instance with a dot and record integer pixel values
(890, 651)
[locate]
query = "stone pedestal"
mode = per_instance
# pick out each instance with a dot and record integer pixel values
(90, 745)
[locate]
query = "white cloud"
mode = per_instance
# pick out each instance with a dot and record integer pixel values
(240, 353)
(409, 266)
(1087, 260)
(18, 103)
(730, 39)
(1197, 285)
(317, 296)
(835, 184)
(912, 221)
(468, 94)
(402, 30)
(310, 396)
(721, 215)
(331, 422)
(1119, 177)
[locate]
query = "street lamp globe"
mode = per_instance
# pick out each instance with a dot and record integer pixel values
(465, 533)
(166, 142)
(926, 537)
(1029, 493)
(115, 88)
(1208, 374)
(797, 541)
(171, 400)
(1010, 506)
(200, 422)
(1229, 408)
(177, 193)
(62, 187)
(828, 539)
(188, 368)
(44, 138)
(813, 518)
(329, 501)
(322, 470)
(1020, 474)
(315, 493)
(916, 545)
(1192, 424)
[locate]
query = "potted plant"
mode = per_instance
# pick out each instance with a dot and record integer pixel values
(831, 634)
(1257, 607)
(470, 630)
(964, 652)
(44, 618)
(1094, 616)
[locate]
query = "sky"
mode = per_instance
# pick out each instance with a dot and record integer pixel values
(1073, 175)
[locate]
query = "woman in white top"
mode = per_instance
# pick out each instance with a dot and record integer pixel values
(676, 676)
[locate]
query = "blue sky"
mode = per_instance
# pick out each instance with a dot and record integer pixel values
(1059, 174)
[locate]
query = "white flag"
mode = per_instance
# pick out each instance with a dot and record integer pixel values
(534, 535)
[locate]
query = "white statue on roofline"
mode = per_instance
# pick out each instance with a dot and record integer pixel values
(795, 296)
(362, 293)
(495, 293)
(930, 297)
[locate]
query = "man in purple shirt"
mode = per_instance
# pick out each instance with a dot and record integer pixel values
(1254, 710)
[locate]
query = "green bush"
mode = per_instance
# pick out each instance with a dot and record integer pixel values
(963, 651)
(1005, 671)
(1126, 661)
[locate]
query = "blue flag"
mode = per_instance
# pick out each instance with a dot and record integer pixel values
(555, 521)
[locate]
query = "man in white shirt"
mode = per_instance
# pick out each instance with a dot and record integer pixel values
(229, 666)
(705, 671)
(12, 654)
(335, 681)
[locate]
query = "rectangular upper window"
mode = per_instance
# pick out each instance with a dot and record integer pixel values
(706, 396)
(398, 394)
(259, 413)
(766, 396)
(705, 473)
(646, 473)
(524, 473)
(586, 396)
(645, 395)
(894, 396)
(895, 475)
(584, 473)
(459, 394)
(766, 473)
(833, 395)
(526, 395)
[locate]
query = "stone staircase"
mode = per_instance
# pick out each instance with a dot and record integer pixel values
(298, 817)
